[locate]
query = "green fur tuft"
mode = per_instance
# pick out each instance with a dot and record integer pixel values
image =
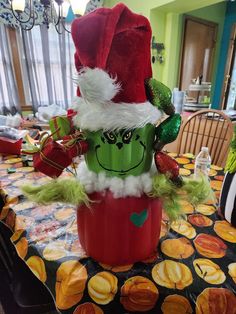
(198, 190)
(162, 186)
(194, 191)
(64, 190)
(231, 162)
(167, 191)
(231, 159)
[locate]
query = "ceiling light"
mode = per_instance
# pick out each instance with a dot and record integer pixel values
(78, 6)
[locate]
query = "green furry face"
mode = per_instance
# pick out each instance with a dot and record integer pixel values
(120, 153)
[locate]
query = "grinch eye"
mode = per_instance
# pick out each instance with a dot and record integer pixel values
(110, 137)
(127, 137)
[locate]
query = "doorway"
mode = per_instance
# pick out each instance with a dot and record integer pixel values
(229, 88)
(198, 47)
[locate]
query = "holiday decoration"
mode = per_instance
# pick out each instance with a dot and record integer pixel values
(167, 131)
(132, 219)
(66, 190)
(51, 159)
(167, 165)
(120, 112)
(121, 153)
(75, 144)
(231, 160)
(228, 192)
(159, 95)
(61, 126)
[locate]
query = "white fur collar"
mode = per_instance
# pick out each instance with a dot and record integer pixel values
(130, 186)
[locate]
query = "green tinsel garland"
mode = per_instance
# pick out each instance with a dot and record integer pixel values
(194, 191)
(63, 190)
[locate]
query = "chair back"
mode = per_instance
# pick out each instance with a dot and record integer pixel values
(210, 128)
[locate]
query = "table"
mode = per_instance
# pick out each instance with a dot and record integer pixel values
(27, 124)
(194, 268)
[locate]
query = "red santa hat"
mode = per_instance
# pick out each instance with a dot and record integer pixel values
(113, 60)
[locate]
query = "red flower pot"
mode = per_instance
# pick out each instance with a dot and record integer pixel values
(119, 231)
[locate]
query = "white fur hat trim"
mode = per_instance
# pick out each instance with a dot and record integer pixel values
(96, 110)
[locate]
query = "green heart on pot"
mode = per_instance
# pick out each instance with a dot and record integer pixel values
(139, 219)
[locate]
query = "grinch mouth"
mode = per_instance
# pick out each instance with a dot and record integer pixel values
(121, 172)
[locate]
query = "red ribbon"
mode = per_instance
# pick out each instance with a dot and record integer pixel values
(71, 113)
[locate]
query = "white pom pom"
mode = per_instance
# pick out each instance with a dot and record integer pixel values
(96, 86)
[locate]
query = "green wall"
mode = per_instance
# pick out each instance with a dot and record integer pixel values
(140, 7)
(158, 22)
(166, 18)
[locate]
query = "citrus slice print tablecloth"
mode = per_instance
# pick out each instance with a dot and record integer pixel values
(193, 270)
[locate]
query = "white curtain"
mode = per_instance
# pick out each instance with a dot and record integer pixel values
(48, 66)
(8, 89)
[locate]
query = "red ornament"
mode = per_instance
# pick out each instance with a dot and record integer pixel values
(166, 165)
(119, 231)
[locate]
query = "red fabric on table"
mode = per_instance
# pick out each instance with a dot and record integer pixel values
(9, 146)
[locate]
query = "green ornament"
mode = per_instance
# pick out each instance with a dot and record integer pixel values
(159, 95)
(231, 159)
(139, 219)
(122, 153)
(168, 130)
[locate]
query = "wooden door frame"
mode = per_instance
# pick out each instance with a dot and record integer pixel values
(199, 20)
(228, 66)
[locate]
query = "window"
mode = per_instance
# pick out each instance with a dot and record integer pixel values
(47, 60)
(8, 89)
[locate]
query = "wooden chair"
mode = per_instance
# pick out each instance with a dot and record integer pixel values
(211, 128)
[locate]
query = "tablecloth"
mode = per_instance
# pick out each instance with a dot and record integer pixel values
(193, 270)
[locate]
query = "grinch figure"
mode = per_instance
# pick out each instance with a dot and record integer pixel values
(126, 117)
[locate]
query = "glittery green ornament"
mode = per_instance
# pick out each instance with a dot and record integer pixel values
(167, 131)
(159, 95)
